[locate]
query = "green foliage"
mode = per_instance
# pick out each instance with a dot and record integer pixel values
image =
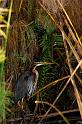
(50, 42)
(79, 122)
(46, 45)
(46, 42)
(4, 100)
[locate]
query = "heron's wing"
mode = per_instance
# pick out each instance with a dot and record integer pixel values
(30, 85)
(20, 90)
(21, 86)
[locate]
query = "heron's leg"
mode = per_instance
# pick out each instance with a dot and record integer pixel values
(19, 103)
(22, 103)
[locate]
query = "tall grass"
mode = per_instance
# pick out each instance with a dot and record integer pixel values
(61, 18)
(4, 101)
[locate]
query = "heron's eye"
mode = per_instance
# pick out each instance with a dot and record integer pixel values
(26, 77)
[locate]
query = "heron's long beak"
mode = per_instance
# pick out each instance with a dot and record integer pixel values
(43, 63)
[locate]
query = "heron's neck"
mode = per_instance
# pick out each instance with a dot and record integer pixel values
(36, 79)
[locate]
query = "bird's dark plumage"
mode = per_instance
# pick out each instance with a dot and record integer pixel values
(24, 85)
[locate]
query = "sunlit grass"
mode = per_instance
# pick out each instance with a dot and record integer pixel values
(4, 100)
